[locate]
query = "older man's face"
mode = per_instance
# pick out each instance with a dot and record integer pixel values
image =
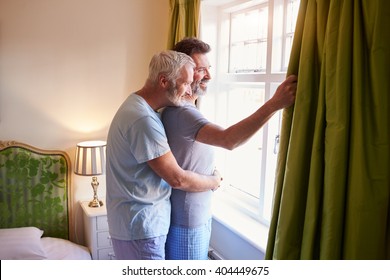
(181, 88)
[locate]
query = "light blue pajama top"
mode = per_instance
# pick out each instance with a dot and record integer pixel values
(137, 199)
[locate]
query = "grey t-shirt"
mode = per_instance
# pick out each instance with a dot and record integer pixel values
(189, 209)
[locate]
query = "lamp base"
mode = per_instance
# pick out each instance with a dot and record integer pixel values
(95, 203)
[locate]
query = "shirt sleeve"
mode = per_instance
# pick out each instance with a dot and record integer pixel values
(148, 139)
(186, 121)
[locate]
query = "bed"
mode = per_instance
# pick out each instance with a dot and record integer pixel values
(35, 205)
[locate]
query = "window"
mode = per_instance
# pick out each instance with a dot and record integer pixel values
(248, 35)
(251, 42)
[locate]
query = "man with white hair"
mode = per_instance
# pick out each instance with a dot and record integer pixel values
(141, 169)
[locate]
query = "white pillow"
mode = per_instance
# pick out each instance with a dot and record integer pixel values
(62, 249)
(21, 244)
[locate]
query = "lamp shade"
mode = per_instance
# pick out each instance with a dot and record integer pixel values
(90, 158)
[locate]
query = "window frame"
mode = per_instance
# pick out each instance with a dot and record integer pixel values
(270, 77)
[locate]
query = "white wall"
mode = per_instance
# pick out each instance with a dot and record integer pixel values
(67, 65)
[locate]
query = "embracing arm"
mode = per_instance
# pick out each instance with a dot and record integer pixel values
(167, 168)
(237, 134)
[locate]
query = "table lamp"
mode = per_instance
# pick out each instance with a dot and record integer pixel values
(91, 161)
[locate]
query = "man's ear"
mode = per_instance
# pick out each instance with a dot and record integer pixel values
(163, 81)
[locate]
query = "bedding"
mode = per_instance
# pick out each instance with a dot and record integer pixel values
(27, 243)
(62, 249)
(35, 204)
(21, 244)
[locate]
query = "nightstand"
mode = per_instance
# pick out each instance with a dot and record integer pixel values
(96, 232)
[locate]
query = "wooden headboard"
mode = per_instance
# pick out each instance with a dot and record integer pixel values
(35, 189)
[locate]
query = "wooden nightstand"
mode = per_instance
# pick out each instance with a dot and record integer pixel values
(96, 232)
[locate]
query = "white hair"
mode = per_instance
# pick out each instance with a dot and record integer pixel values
(167, 63)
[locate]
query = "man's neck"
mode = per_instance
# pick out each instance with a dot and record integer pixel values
(153, 97)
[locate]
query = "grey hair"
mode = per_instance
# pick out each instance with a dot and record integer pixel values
(167, 63)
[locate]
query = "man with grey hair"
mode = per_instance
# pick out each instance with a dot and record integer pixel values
(140, 166)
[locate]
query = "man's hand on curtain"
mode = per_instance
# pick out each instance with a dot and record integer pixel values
(285, 94)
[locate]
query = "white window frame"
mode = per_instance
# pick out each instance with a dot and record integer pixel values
(214, 29)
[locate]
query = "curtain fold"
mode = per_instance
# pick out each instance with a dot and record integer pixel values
(184, 16)
(332, 192)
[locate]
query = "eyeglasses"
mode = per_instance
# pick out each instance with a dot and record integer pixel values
(202, 69)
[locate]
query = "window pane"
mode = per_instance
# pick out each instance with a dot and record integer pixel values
(248, 41)
(287, 49)
(291, 15)
(242, 166)
(290, 18)
(273, 137)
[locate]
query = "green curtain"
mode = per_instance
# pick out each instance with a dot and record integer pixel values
(332, 184)
(184, 20)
